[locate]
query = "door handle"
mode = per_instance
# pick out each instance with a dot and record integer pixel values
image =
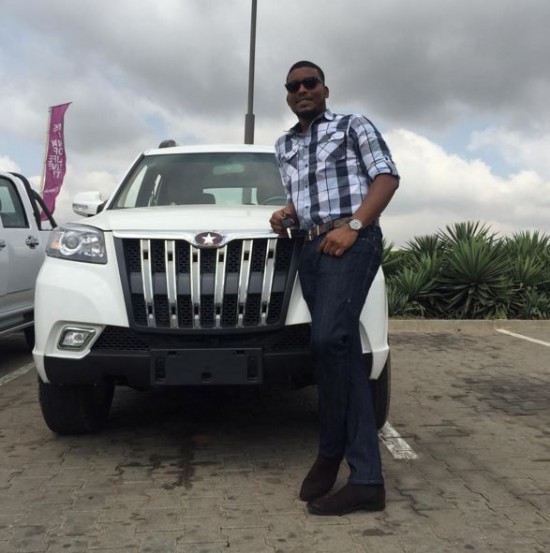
(2, 244)
(32, 242)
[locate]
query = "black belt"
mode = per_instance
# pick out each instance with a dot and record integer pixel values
(314, 232)
(317, 230)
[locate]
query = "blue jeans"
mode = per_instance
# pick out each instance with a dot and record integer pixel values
(335, 289)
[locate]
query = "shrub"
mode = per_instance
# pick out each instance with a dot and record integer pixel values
(467, 272)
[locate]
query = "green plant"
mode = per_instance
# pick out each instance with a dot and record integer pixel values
(529, 257)
(465, 231)
(533, 304)
(391, 258)
(415, 281)
(420, 246)
(467, 271)
(473, 283)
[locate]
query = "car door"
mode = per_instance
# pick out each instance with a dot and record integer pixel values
(4, 264)
(22, 251)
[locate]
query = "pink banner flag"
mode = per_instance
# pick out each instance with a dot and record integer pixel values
(55, 157)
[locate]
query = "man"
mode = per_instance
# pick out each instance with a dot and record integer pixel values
(339, 176)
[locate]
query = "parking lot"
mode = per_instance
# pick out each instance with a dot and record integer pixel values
(466, 459)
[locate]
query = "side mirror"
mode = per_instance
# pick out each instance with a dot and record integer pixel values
(88, 203)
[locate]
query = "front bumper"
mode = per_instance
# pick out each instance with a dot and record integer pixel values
(139, 370)
(143, 360)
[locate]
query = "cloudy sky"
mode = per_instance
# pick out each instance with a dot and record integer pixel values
(459, 88)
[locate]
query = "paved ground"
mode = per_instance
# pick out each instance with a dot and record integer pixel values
(209, 473)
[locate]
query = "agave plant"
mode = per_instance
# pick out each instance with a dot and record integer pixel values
(533, 305)
(529, 244)
(429, 244)
(467, 271)
(528, 272)
(415, 281)
(397, 301)
(391, 258)
(465, 231)
(473, 283)
(529, 256)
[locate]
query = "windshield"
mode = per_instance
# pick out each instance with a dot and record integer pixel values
(228, 178)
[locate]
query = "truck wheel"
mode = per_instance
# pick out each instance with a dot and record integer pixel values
(381, 391)
(75, 409)
(29, 337)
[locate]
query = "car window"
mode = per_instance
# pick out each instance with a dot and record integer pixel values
(230, 178)
(12, 212)
(232, 196)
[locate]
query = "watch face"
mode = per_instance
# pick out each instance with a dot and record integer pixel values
(355, 224)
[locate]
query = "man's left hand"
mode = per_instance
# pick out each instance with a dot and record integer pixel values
(338, 241)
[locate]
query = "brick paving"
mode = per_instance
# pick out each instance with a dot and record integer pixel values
(199, 471)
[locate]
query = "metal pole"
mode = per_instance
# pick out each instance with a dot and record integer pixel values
(249, 118)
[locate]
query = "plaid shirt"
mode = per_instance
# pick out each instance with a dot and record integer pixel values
(327, 171)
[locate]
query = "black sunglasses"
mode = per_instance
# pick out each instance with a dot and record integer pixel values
(309, 84)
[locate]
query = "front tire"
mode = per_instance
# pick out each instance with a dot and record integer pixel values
(75, 409)
(381, 392)
(29, 337)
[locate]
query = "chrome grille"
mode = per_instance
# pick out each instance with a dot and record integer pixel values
(172, 284)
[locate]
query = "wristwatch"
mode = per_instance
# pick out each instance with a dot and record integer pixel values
(355, 224)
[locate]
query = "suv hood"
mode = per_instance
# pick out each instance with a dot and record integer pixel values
(189, 218)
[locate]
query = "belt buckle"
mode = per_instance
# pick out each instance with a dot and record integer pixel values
(310, 234)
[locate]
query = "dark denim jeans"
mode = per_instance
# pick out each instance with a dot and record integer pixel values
(335, 289)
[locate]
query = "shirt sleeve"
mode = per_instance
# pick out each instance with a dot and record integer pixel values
(372, 148)
(285, 181)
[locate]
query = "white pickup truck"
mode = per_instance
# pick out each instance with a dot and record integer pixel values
(23, 239)
(178, 280)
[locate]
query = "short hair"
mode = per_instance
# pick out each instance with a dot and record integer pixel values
(305, 63)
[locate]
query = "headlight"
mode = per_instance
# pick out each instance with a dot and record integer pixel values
(78, 243)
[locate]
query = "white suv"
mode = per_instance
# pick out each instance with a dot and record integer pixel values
(178, 280)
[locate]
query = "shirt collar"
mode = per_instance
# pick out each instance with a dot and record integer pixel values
(327, 115)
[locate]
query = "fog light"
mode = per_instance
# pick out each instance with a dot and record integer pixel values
(75, 338)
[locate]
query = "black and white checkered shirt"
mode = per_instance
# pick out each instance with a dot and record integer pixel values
(327, 171)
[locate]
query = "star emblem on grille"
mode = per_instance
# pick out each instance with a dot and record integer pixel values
(208, 239)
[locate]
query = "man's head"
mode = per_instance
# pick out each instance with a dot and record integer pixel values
(310, 64)
(306, 90)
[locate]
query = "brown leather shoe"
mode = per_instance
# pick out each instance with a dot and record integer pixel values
(320, 478)
(352, 497)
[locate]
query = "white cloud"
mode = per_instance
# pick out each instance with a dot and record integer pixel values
(8, 165)
(518, 148)
(439, 188)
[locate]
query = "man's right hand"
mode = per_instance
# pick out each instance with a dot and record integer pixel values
(276, 220)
